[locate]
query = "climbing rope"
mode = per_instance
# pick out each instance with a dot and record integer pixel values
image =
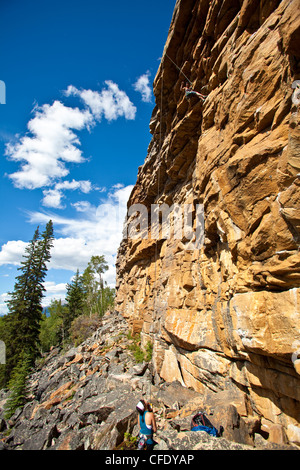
(158, 193)
(189, 92)
(156, 241)
(180, 69)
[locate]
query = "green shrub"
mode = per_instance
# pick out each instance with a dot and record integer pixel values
(149, 352)
(129, 442)
(138, 353)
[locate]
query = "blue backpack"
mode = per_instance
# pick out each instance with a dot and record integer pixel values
(200, 422)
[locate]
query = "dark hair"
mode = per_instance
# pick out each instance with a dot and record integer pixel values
(148, 407)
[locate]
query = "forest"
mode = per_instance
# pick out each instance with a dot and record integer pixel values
(29, 331)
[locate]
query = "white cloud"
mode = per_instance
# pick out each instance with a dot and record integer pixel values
(54, 292)
(44, 155)
(96, 231)
(82, 206)
(12, 252)
(53, 288)
(53, 197)
(142, 86)
(111, 102)
(52, 144)
(85, 186)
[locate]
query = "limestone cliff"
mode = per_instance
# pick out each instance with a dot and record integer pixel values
(227, 313)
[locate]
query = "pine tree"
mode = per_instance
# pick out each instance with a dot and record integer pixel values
(18, 385)
(74, 300)
(25, 309)
(39, 274)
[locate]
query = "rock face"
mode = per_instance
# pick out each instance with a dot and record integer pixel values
(222, 309)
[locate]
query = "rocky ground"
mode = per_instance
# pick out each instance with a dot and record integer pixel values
(85, 399)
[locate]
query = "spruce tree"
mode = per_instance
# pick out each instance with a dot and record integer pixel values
(18, 385)
(75, 301)
(25, 305)
(39, 274)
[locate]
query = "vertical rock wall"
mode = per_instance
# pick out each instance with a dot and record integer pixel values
(226, 313)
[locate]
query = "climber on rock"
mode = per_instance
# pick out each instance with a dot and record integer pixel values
(189, 92)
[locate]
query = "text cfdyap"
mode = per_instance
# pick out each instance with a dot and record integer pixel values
(153, 459)
(187, 226)
(2, 352)
(2, 92)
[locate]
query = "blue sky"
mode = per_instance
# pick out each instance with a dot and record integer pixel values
(75, 125)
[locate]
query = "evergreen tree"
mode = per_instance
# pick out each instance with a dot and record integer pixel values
(89, 290)
(75, 302)
(40, 271)
(17, 385)
(25, 310)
